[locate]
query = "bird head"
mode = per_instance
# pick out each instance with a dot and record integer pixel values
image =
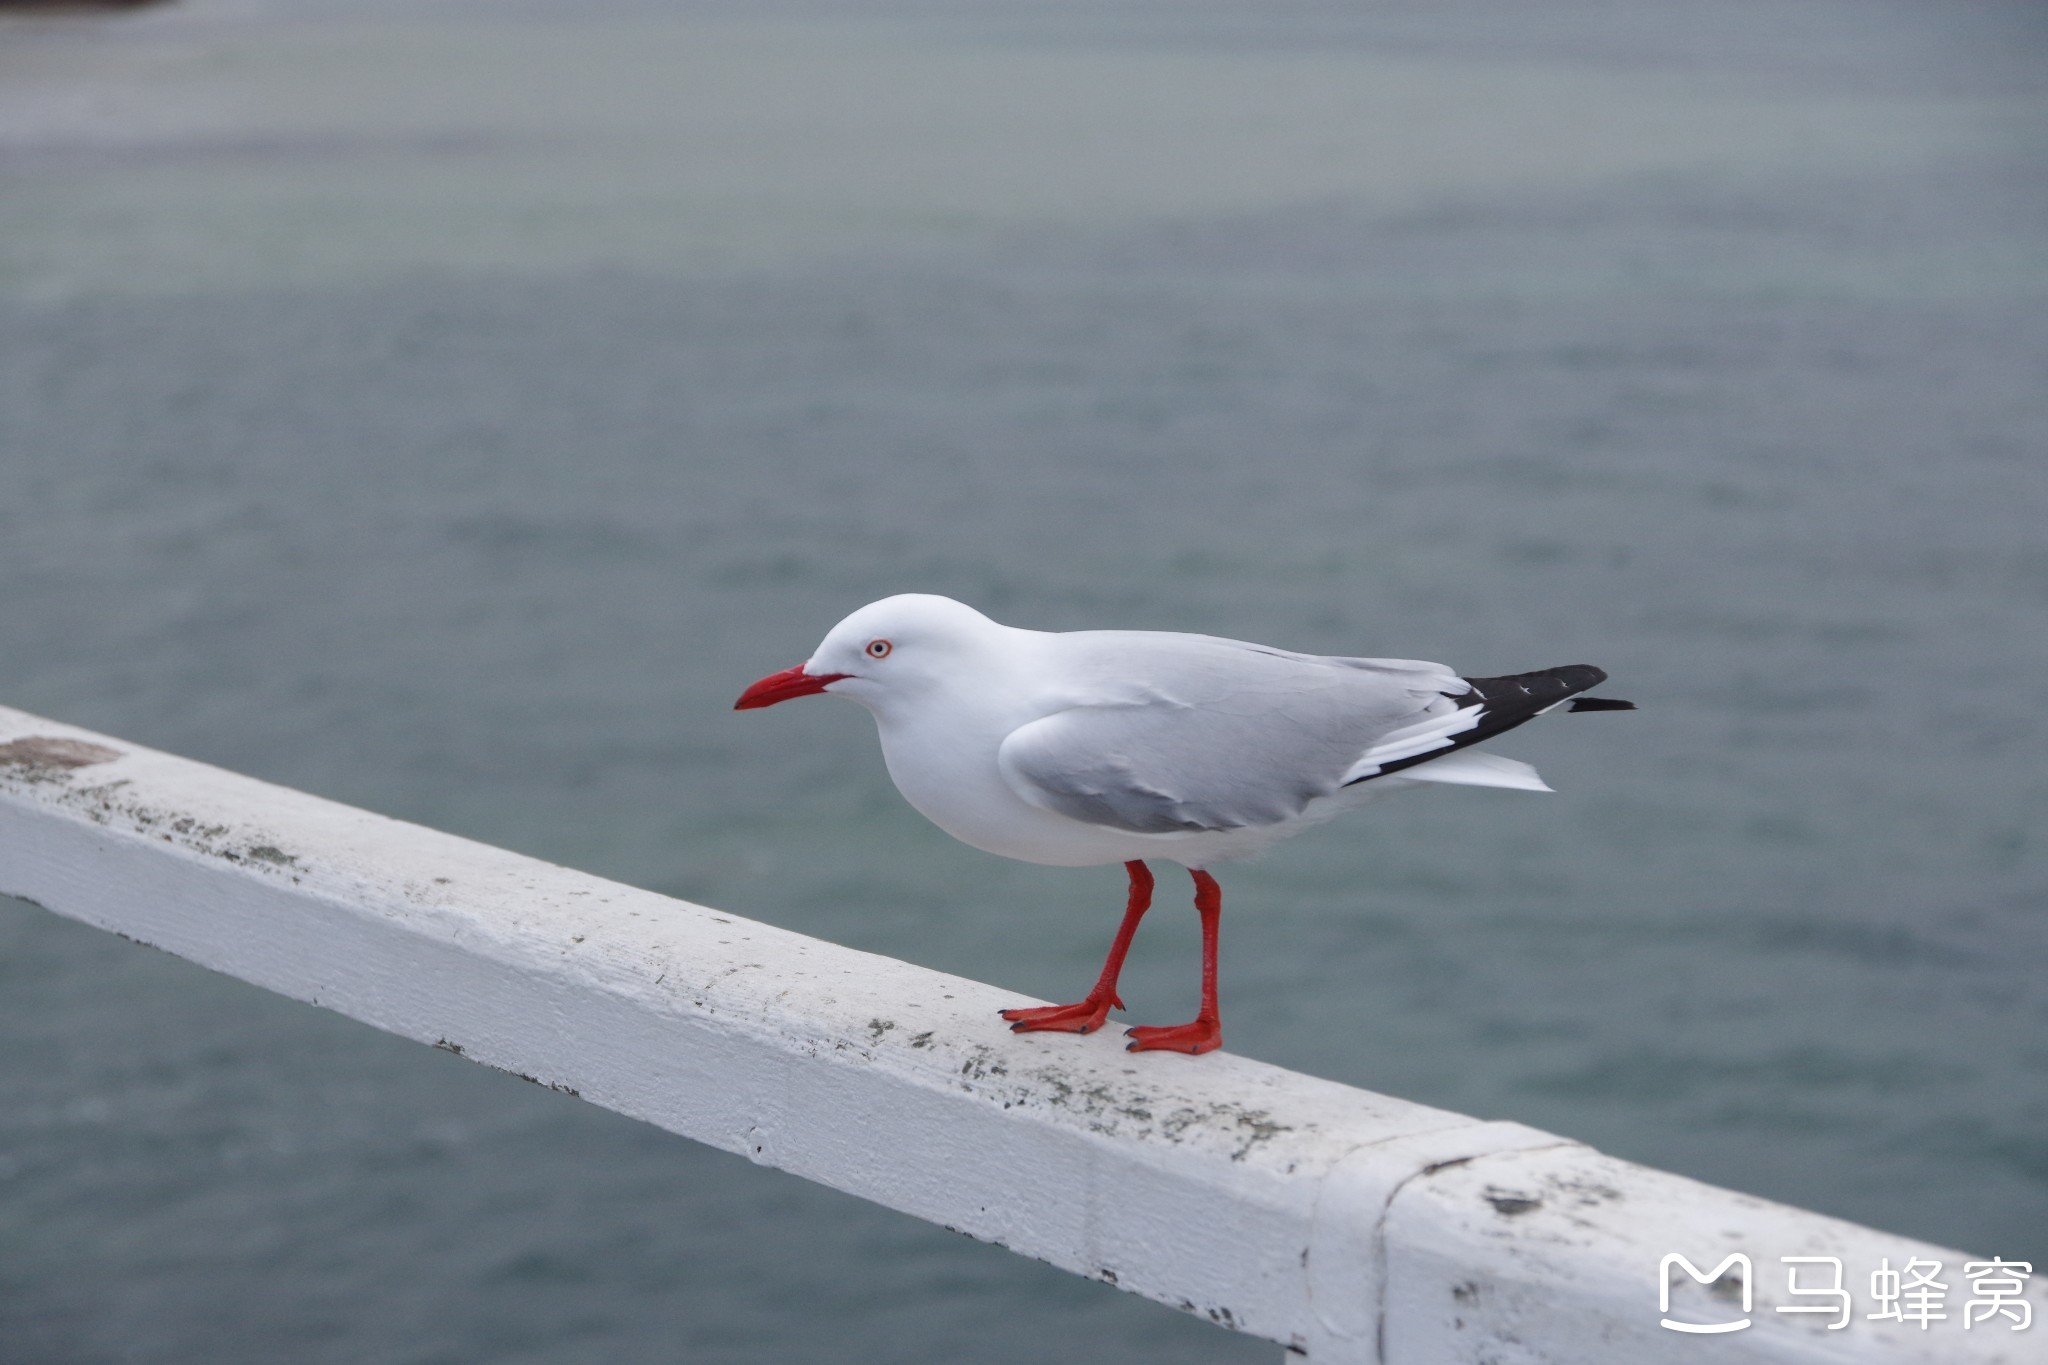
(896, 647)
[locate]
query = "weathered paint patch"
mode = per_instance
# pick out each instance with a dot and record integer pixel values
(54, 753)
(46, 759)
(1509, 1204)
(571, 1091)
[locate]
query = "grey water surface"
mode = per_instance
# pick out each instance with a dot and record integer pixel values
(448, 409)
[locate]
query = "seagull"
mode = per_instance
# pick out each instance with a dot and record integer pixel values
(1083, 748)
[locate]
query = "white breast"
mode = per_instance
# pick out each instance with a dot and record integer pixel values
(944, 763)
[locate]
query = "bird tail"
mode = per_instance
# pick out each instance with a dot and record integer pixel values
(1490, 707)
(1522, 695)
(1472, 768)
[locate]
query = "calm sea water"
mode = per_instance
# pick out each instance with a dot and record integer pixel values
(449, 414)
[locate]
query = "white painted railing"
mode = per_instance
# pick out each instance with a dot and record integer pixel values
(1347, 1225)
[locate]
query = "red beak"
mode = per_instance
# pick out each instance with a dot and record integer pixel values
(790, 682)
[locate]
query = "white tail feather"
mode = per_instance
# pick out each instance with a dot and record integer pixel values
(1470, 768)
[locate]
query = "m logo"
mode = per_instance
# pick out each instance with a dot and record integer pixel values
(1709, 1278)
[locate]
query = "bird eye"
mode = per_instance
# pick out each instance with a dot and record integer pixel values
(879, 649)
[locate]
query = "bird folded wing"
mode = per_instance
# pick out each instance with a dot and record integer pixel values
(1173, 733)
(1158, 770)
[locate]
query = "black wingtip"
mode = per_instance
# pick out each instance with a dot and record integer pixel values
(1601, 704)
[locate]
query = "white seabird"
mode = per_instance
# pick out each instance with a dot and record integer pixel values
(1098, 746)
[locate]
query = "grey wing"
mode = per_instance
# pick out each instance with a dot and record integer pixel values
(1218, 736)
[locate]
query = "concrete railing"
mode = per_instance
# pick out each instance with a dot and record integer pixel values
(1346, 1225)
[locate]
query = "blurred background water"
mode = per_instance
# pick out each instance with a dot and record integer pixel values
(447, 407)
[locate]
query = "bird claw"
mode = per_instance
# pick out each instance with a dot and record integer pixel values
(1083, 1017)
(1203, 1035)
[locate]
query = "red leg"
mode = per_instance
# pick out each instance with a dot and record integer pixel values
(1087, 1016)
(1205, 1034)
